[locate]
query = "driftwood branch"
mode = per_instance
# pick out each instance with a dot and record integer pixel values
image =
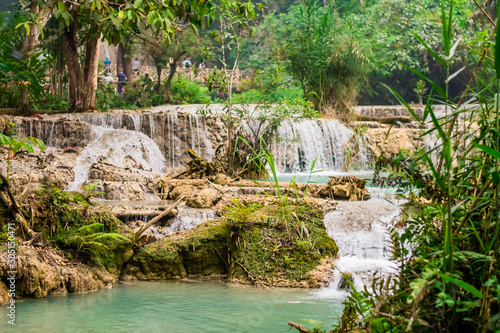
(300, 328)
(139, 233)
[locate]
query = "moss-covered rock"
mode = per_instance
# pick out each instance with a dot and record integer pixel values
(44, 272)
(260, 245)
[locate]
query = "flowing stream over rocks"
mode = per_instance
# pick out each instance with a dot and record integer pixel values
(361, 232)
(122, 148)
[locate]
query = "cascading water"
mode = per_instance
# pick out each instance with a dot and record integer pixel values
(172, 137)
(323, 140)
(361, 232)
(123, 148)
(188, 218)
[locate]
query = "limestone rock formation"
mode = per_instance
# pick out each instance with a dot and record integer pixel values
(399, 138)
(347, 188)
(44, 271)
(205, 198)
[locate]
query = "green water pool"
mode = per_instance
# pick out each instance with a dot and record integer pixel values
(173, 307)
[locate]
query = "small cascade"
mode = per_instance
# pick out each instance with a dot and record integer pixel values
(303, 142)
(361, 231)
(122, 148)
(188, 218)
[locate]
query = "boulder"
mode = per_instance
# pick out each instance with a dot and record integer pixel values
(205, 198)
(178, 191)
(43, 272)
(252, 245)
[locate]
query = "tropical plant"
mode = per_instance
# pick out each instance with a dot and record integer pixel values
(15, 144)
(420, 90)
(327, 58)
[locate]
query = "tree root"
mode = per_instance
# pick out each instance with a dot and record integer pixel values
(8, 200)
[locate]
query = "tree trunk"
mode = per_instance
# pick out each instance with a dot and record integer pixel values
(173, 71)
(119, 58)
(70, 45)
(124, 60)
(127, 62)
(31, 42)
(158, 72)
(168, 84)
(90, 73)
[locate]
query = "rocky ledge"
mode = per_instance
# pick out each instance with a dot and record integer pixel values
(44, 272)
(254, 244)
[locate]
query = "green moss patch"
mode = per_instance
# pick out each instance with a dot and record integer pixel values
(270, 245)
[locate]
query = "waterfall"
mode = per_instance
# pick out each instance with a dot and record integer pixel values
(300, 143)
(174, 133)
(361, 232)
(123, 148)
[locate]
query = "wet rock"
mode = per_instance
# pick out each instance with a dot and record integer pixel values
(44, 272)
(254, 250)
(28, 172)
(347, 188)
(54, 131)
(4, 293)
(179, 191)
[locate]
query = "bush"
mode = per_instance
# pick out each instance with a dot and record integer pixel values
(186, 92)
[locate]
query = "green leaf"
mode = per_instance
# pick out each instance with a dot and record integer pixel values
(138, 4)
(496, 177)
(497, 47)
(462, 284)
(454, 74)
(487, 150)
(426, 158)
(4, 67)
(438, 89)
(446, 42)
(454, 48)
(433, 54)
(403, 102)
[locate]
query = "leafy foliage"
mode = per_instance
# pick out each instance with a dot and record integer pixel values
(448, 251)
(328, 59)
(15, 144)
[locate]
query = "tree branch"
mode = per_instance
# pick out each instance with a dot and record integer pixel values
(7, 198)
(300, 328)
(139, 233)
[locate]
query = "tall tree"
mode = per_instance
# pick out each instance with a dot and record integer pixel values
(86, 22)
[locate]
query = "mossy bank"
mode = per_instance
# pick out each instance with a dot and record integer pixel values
(253, 244)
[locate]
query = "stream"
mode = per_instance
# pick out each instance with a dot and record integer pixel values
(173, 307)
